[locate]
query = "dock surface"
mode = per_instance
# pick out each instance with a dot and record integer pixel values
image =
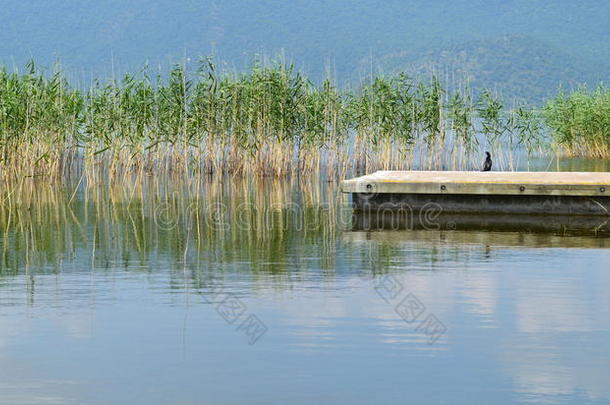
(530, 193)
(482, 183)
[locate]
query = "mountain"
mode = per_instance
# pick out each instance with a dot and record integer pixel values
(521, 68)
(321, 36)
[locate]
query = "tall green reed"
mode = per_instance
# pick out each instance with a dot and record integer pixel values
(580, 121)
(268, 121)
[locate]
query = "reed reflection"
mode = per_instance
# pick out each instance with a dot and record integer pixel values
(263, 223)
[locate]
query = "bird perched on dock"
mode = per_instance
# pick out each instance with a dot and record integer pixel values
(487, 164)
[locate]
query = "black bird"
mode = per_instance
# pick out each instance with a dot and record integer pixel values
(487, 164)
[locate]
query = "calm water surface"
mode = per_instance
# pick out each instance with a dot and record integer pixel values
(235, 292)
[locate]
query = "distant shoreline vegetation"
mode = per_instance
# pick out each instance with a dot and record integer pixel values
(272, 121)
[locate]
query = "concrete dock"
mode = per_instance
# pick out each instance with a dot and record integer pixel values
(554, 193)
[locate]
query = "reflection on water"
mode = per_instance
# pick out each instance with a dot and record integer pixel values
(141, 294)
(534, 227)
(204, 222)
(568, 164)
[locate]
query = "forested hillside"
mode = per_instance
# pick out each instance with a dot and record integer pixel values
(518, 68)
(522, 46)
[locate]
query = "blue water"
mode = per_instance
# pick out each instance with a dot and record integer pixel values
(91, 314)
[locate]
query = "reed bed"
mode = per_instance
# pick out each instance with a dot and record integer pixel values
(580, 121)
(269, 121)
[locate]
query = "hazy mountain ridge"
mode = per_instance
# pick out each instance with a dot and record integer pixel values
(517, 67)
(320, 36)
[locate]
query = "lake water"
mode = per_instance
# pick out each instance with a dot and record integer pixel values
(270, 292)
